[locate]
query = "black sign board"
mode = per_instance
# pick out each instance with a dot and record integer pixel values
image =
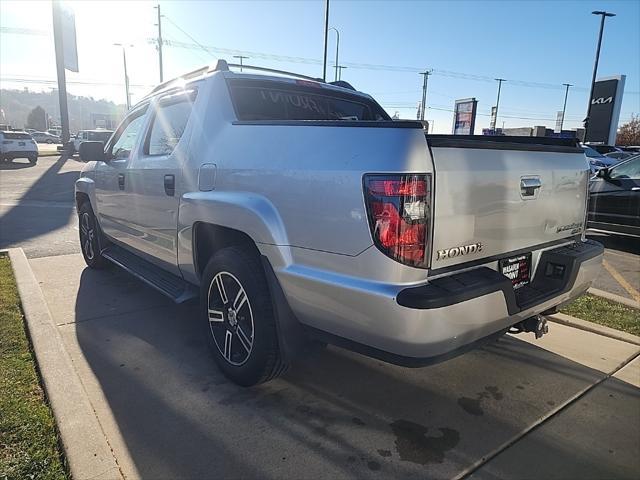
(603, 108)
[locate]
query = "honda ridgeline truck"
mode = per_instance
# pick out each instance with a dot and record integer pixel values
(298, 209)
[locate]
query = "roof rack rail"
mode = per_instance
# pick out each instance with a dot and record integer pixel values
(222, 66)
(273, 70)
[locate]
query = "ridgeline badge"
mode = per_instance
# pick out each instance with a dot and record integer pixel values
(459, 251)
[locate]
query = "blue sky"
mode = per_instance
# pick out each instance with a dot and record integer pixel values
(536, 46)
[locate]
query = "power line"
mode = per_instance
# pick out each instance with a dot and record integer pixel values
(185, 33)
(45, 81)
(313, 61)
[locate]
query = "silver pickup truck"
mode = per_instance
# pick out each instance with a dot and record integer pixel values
(296, 209)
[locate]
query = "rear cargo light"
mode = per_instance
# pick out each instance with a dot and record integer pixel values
(399, 211)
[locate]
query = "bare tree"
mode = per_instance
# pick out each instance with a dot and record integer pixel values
(629, 133)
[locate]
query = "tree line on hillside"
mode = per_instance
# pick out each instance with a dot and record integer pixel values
(19, 105)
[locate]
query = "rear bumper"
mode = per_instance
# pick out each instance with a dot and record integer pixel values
(429, 323)
(556, 274)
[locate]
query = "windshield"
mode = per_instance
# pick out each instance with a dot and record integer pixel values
(591, 153)
(273, 100)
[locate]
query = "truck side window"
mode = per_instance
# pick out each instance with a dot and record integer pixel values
(169, 123)
(125, 139)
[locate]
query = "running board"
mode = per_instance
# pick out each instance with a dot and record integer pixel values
(167, 283)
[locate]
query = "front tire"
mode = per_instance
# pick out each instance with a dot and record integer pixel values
(89, 237)
(33, 159)
(238, 318)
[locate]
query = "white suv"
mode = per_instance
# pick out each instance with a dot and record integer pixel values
(18, 145)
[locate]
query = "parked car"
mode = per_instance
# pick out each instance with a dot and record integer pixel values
(297, 209)
(98, 135)
(614, 198)
(597, 160)
(619, 156)
(630, 148)
(603, 149)
(18, 145)
(45, 137)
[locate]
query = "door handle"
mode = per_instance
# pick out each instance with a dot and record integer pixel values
(635, 189)
(528, 186)
(170, 185)
(121, 181)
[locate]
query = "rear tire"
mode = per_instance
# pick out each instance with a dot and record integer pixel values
(238, 318)
(90, 237)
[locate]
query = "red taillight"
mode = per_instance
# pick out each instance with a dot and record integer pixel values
(398, 187)
(399, 210)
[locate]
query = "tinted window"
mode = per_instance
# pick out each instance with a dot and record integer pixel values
(629, 169)
(169, 123)
(273, 100)
(125, 138)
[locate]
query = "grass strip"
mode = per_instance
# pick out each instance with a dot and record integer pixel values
(605, 312)
(28, 439)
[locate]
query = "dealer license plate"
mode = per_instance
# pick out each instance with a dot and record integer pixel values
(517, 269)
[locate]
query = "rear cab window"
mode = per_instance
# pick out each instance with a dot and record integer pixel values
(256, 100)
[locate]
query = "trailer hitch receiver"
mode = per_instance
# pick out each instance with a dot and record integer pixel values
(536, 324)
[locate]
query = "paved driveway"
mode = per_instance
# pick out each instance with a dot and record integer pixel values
(167, 412)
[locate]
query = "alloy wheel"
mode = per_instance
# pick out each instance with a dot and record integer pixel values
(230, 318)
(87, 234)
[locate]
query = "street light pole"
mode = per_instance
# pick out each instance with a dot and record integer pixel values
(564, 107)
(126, 76)
(499, 80)
(339, 70)
(160, 43)
(603, 15)
(337, 49)
(241, 57)
(425, 79)
(326, 35)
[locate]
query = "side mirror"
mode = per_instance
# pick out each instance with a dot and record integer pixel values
(603, 173)
(92, 152)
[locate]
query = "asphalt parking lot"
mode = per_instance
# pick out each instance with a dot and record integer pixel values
(561, 407)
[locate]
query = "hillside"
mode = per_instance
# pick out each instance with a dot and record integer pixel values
(17, 104)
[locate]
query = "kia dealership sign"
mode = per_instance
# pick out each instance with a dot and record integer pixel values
(605, 110)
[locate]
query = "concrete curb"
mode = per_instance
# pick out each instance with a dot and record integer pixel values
(613, 297)
(594, 328)
(85, 446)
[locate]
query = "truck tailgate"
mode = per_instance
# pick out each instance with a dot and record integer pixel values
(490, 202)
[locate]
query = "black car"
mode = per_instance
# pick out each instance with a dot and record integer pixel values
(614, 198)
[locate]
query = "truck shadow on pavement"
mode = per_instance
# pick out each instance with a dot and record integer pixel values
(169, 413)
(30, 217)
